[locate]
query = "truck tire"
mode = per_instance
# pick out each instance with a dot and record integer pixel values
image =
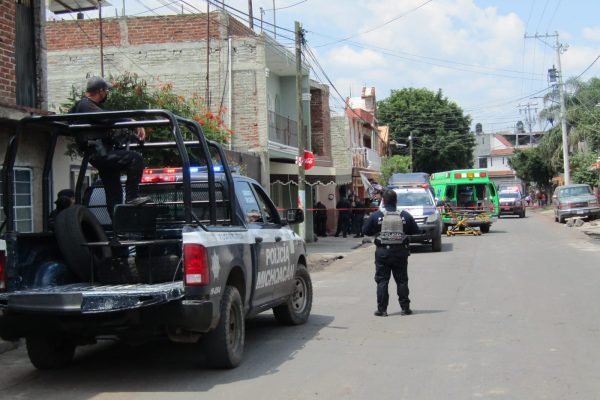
(436, 244)
(297, 308)
(73, 228)
(484, 228)
(224, 346)
(50, 351)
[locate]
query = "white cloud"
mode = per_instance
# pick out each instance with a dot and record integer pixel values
(591, 33)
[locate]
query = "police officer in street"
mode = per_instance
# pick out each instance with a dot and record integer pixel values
(105, 153)
(391, 228)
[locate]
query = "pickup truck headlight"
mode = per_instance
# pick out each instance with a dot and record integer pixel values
(433, 217)
(593, 202)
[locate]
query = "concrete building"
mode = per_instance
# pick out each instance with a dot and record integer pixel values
(23, 93)
(366, 143)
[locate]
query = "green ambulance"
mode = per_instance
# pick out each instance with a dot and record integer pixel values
(467, 193)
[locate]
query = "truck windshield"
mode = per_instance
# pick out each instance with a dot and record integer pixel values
(414, 198)
(509, 195)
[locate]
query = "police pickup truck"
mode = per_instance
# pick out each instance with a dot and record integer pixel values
(206, 252)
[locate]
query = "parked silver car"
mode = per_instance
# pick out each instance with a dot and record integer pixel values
(574, 201)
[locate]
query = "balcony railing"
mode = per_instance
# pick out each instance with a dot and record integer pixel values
(283, 130)
(363, 157)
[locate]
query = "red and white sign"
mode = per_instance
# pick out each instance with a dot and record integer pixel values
(309, 159)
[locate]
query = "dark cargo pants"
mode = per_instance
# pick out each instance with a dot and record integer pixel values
(110, 168)
(391, 261)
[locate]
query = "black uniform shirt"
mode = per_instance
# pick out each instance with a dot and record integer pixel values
(373, 224)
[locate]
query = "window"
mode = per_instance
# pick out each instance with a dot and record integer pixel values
(482, 162)
(23, 205)
(250, 207)
(269, 212)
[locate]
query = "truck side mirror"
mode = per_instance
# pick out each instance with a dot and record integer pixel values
(294, 216)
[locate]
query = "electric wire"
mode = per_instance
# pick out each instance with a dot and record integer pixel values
(378, 26)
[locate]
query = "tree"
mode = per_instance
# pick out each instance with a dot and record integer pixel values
(530, 166)
(583, 126)
(441, 138)
(129, 92)
(394, 164)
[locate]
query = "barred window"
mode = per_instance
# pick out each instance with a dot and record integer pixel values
(23, 204)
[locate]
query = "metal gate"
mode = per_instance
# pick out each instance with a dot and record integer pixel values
(25, 54)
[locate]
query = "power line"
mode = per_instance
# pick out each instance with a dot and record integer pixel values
(378, 26)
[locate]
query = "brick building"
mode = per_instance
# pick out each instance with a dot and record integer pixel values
(23, 93)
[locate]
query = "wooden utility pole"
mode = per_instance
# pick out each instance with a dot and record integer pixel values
(207, 91)
(300, 126)
(101, 39)
(250, 17)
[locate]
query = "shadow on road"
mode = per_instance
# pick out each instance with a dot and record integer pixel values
(162, 366)
(426, 248)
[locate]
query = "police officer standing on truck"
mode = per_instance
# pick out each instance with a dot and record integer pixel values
(105, 153)
(391, 228)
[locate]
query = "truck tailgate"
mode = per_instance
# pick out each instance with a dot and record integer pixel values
(83, 298)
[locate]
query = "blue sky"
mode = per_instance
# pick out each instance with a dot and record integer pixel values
(473, 50)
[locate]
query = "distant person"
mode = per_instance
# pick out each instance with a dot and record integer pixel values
(64, 199)
(343, 208)
(320, 219)
(391, 229)
(358, 215)
(106, 155)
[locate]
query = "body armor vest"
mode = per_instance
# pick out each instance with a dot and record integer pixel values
(392, 228)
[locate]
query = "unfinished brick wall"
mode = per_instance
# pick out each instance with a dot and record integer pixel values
(320, 122)
(63, 35)
(8, 80)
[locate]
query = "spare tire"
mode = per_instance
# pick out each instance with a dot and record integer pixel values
(74, 227)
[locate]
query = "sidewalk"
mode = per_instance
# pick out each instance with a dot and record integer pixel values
(328, 249)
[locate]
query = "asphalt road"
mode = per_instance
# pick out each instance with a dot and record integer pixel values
(512, 314)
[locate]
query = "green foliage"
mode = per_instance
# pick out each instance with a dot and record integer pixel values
(530, 166)
(440, 131)
(583, 124)
(129, 92)
(580, 163)
(394, 164)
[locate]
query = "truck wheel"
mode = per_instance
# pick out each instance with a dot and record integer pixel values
(224, 346)
(73, 228)
(297, 308)
(561, 219)
(50, 351)
(436, 243)
(484, 228)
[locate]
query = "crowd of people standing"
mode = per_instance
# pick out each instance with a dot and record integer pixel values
(351, 211)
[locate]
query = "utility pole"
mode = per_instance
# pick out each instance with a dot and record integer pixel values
(250, 17)
(207, 90)
(274, 22)
(300, 127)
(101, 39)
(560, 48)
(525, 109)
(410, 149)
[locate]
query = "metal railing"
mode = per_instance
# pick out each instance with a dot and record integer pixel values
(283, 129)
(363, 157)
